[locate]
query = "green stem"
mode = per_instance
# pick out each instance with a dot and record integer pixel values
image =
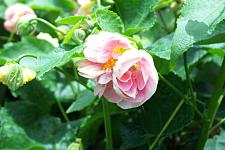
(188, 78)
(48, 24)
(23, 56)
(107, 121)
(214, 104)
(172, 86)
(217, 125)
(166, 125)
(11, 36)
(62, 110)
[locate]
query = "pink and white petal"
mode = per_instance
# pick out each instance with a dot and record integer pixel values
(111, 95)
(148, 91)
(126, 76)
(99, 90)
(127, 104)
(132, 92)
(91, 70)
(123, 65)
(125, 86)
(140, 80)
(105, 78)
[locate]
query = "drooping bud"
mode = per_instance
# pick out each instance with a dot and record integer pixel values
(25, 26)
(79, 35)
(14, 75)
(14, 13)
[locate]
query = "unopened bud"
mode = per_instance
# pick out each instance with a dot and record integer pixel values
(14, 75)
(25, 26)
(79, 35)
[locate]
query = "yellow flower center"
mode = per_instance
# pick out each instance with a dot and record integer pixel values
(119, 50)
(109, 64)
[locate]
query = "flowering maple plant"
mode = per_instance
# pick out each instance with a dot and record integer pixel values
(112, 74)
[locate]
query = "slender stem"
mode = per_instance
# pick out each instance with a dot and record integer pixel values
(107, 121)
(172, 86)
(188, 77)
(48, 24)
(180, 94)
(11, 36)
(214, 104)
(167, 124)
(217, 125)
(62, 110)
(25, 55)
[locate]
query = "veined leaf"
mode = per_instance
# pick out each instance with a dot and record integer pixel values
(197, 22)
(109, 21)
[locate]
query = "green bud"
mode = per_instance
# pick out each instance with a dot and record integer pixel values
(14, 75)
(25, 26)
(79, 35)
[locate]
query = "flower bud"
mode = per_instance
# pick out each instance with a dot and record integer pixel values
(79, 35)
(86, 7)
(14, 75)
(14, 13)
(25, 26)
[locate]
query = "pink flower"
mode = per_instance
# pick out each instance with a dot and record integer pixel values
(101, 52)
(124, 75)
(135, 78)
(14, 13)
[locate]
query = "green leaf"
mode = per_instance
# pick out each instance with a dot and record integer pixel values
(84, 99)
(162, 47)
(136, 14)
(109, 21)
(197, 22)
(71, 20)
(48, 57)
(193, 56)
(13, 136)
(216, 143)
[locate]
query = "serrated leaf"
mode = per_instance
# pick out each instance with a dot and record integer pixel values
(162, 47)
(197, 21)
(109, 21)
(83, 100)
(136, 15)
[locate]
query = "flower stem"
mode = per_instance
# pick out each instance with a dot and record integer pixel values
(23, 56)
(107, 121)
(171, 86)
(167, 124)
(213, 106)
(188, 78)
(217, 125)
(62, 110)
(48, 24)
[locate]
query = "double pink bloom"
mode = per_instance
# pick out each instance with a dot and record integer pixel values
(15, 13)
(124, 75)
